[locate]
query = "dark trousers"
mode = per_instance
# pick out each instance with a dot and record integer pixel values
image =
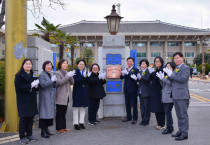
(44, 123)
(160, 117)
(181, 107)
(167, 109)
(145, 108)
(25, 126)
(93, 109)
(131, 100)
(61, 116)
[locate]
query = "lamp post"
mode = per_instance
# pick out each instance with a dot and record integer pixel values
(113, 21)
(203, 75)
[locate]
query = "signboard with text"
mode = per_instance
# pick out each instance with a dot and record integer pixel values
(114, 86)
(113, 59)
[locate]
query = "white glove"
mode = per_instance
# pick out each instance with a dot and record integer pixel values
(89, 74)
(53, 79)
(84, 74)
(34, 83)
(133, 76)
(100, 76)
(139, 76)
(168, 71)
(161, 75)
(150, 69)
(71, 74)
(124, 72)
(103, 75)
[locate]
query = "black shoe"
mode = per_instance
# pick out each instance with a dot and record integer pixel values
(181, 137)
(126, 120)
(141, 123)
(145, 124)
(44, 134)
(91, 123)
(97, 121)
(133, 122)
(167, 131)
(77, 127)
(177, 134)
(82, 126)
(32, 138)
(48, 132)
(23, 141)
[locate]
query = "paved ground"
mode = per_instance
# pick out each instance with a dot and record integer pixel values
(114, 132)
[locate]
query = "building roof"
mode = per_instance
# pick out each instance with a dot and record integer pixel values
(132, 27)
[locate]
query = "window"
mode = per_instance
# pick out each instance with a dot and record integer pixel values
(155, 54)
(189, 54)
(3, 52)
(141, 54)
(188, 44)
(156, 44)
(3, 41)
(54, 45)
(139, 44)
(57, 54)
(173, 44)
(127, 43)
(88, 44)
(68, 55)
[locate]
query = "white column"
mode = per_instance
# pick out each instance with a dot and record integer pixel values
(131, 44)
(183, 47)
(148, 51)
(165, 51)
(96, 52)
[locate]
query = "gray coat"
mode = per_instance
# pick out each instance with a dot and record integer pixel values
(46, 96)
(166, 91)
(180, 88)
(63, 90)
(144, 84)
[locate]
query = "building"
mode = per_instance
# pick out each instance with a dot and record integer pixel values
(149, 38)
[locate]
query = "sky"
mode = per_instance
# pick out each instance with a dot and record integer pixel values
(191, 13)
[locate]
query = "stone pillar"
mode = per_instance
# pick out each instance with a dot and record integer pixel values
(165, 51)
(131, 44)
(96, 52)
(198, 49)
(148, 51)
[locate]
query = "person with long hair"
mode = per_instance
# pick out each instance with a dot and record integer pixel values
(167, 98)
(95, 92)
(26, 85)
(80, 95)
(47, 97)
(156, 105)
(65, 80)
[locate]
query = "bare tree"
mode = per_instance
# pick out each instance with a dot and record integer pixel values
(35, 7)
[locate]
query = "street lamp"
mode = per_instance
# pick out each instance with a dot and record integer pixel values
(113, 21)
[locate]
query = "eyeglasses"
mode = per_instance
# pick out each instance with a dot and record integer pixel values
(157, 61)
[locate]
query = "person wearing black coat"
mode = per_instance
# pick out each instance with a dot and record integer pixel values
(26, 85)
(130, 90)
(144, 91)
(95, 92)
(156, 105)
(80, 95)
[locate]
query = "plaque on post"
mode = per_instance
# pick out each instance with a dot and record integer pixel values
(113, 86)
(113, 59)
(113, 72)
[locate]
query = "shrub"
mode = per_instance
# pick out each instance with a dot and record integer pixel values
(207, 70)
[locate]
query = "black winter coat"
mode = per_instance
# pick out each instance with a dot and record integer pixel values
(26, 97)
(95, 87)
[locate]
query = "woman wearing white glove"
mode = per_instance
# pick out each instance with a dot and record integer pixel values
(80, 95)
(144, 91)
(95, 92)
(63, 92)
(26, 93)
(167, 98)
(47, 96)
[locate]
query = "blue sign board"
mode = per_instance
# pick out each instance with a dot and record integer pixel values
(113, 86)
(133, 53)
(113, 59)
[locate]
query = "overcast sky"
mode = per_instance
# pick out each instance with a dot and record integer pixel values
(191, 13)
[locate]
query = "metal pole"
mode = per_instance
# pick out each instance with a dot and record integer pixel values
(203, 76)
(16, 32)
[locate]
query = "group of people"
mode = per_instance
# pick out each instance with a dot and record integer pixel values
(55, 89)
(159, 89)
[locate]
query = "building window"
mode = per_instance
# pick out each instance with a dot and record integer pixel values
(188, 44)
(156, 44)
(54, 45)
(3, 52)
(139, 44)
(173, 44)
(127, 43)
(3, 41)
(189, 54)
(57, 54)
(141, 54)
(88, 44)
(155, 54)
(99, 44)
(68, 55)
